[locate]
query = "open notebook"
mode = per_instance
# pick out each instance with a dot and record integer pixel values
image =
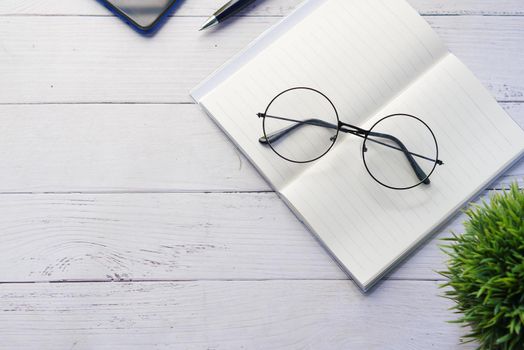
(372, 58)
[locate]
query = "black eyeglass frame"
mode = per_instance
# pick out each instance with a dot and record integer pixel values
(363, 133)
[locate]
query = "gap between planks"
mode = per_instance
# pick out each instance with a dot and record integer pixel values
(158, 103)
(169, 280)
(168, 191)
(266, 8)
(255, 15)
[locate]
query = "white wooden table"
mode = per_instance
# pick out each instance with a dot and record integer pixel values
(129, 221)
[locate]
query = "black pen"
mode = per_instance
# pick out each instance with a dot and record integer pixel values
(229, 9)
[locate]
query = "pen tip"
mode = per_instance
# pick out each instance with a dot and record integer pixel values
(211, 21)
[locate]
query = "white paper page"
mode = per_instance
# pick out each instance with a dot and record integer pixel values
(359, 53)
(368, 227)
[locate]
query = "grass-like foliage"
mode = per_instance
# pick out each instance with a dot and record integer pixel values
(485, 272)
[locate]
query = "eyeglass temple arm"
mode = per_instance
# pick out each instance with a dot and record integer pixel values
(347, 128)
(421, 175)
(276, 135)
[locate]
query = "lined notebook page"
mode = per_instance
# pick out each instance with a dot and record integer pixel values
(367, 227)
(359, 53)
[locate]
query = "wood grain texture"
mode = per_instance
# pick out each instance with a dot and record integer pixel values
(260, 8)
(131, 148)
(227, 315)
(222, 236)
(49, 59)
(217, 260)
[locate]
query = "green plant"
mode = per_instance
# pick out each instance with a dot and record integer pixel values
(485, 272)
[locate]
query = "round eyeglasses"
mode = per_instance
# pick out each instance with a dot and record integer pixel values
(301, 125)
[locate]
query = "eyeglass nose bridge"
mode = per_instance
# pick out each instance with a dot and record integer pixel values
(352, 129)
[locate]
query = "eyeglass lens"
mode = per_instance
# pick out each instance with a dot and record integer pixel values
(396, 168)
(302, 125)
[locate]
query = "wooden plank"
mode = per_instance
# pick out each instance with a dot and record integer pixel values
(68, 58)
(125, 148)
(108, 237)
(130, 148)
(403, 315)
(261, 8)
